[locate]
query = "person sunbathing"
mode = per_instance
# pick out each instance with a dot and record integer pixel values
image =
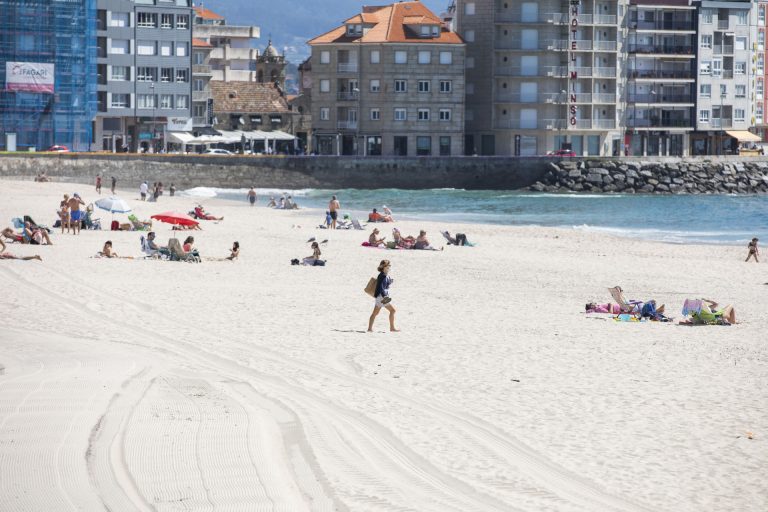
(11, 235)
(8, 256)
(107, 252)
(202, 214)
(373, 240)
(710, 314)
(422, 243)
(375, 216)
(35, 235)
(401, 241)
(613, 309)
(189, 247)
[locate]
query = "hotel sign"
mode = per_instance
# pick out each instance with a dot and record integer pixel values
(29, 77)
(573, 73)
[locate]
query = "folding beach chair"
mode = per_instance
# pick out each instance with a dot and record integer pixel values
(627, 306)
(356, 224)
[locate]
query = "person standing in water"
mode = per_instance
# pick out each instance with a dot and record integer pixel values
(252, 196)
(334, 206)
(381, 296)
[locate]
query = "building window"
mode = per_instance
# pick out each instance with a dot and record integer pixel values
(445, 146)
(166, 101)
(146, 74)
(146, 47)
(469, 36)
(705, 90)
(425, 57)
(354, 29)
(198, 84)
(325, 114)
(423, 146)
(401, 57)
(120, 47)
(446, 86)
(761, 15)
(445, 114)
(705, 67)
(423, 114)
(146, 20)
(741, 17)
(739, 114)
(424, 85)
(761, 40)
(145, 100)
(182, 102)
(740, 44)
(426, 31)
(375, 85)
(707, 16)
(166, 75)
(470, 63)
(182, 49)
(166, 48)
(717, 67)
(375, 56)
(760, 63)
(446, 57)
(119, 101)
(182, 22)
(401, 114)
(759, 88)
(199, 110)
(740, 91)
(759, 113)
(740, 68)
(375, 114)
(723, 90)
(119, 73)
(119, 19)
(706, 41)
(401, 86)
(182, 75)
(325, 57)
(325, 85)
(166, 21)
(469, 8)
(703, 116)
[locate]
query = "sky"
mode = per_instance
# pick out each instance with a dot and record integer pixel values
(290, 23)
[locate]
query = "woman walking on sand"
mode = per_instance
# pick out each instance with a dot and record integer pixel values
(381, 296)
(753, 251)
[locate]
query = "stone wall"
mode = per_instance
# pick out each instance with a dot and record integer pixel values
(681, 176)
(187, 171)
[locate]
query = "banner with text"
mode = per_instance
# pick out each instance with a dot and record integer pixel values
(29, 77)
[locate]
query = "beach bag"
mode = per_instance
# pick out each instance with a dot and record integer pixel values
(370, 289)
(115, 226)
(319, 263)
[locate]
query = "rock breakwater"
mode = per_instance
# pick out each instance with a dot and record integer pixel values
(638, 177)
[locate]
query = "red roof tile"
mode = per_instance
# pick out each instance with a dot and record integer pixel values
(247, 98)
(207, 14)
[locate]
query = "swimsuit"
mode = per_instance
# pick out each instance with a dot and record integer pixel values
(334, 214)
(252, 199)
(75, 215)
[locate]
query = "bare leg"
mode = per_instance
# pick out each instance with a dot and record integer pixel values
(376, 310)
(46, 237)
(391, 310)
(729, 314)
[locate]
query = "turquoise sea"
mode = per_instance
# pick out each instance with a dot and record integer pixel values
(721, 219)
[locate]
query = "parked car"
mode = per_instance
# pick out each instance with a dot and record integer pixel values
(562, 153)
(58, 149)
(216, 151)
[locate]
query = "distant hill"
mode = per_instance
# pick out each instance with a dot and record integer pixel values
(292, 22)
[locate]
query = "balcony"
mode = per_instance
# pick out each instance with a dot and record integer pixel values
(201, 95)
(347, 67)
(605, 19)
(581, 44)
(201, 69)
(547, 97)
(604, 98)
(603, 124)
(662, 73)
(723, 24)
(514, 17)
(721, 123)
(348, 96)
(679, 25)
(199, 121)
(517, 124)
(660, 123)
(661, 49)
(562, 18)
(605, 46)
(722, 49)
(517, 71)
(347, 125)
(659, 98)
(506, 44)
(600, 72)
(226, 32)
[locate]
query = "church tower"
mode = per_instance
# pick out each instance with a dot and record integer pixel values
(270, 67)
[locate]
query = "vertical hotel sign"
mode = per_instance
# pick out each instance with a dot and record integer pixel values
(29, 77)
(573, 73)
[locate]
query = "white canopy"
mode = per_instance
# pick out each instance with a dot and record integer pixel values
(180, 137)
(227, 137)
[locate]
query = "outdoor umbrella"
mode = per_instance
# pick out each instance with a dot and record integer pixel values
(175, 218)
(113, 204)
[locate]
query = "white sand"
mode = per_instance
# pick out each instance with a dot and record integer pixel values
(148, 385)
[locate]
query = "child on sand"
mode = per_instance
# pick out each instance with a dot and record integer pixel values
(381, 296)
(753, 251)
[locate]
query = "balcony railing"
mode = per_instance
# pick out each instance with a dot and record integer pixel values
(605, 46)
(661, 73)
(661, 49)
(604, 98)
(515, 17)
(546, 97)
(720, 49)
(347, 96)
(201, 95)
(347, 67)
(507, 44)
(722, 24)
(519, 71)
(724, 122)
(561, 18)
(581, 44)
(683, 25)
(518, 124)
(659, 98)
(201, 69)
(603, 124)
(604, 72)
(347, 125)
(605, 19)
(660, 123)
(199, 121)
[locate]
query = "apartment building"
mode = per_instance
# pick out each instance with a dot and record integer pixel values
(143, 71)
(541, 75)
(48, 74)
(761, 74)
(202, 99)
(728, 67)
(659, 96)
(389, 81)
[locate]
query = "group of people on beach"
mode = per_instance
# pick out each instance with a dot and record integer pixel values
(399, 241)
(155, 191)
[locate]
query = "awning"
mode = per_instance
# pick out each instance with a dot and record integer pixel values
(180, 137)
(744, 136)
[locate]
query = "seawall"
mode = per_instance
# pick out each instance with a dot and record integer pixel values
(186, 171)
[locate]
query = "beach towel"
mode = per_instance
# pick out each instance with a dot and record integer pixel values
(626, 317)
(692, 306)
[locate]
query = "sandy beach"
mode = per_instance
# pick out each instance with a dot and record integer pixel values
(252, 385)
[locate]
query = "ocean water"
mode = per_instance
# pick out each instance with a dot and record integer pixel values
(713, 219)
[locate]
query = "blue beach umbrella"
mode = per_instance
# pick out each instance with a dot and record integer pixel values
(113, 204)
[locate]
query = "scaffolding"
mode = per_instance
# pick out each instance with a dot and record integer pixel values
(58, 32)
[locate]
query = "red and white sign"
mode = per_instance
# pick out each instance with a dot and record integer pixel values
(29, 77)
